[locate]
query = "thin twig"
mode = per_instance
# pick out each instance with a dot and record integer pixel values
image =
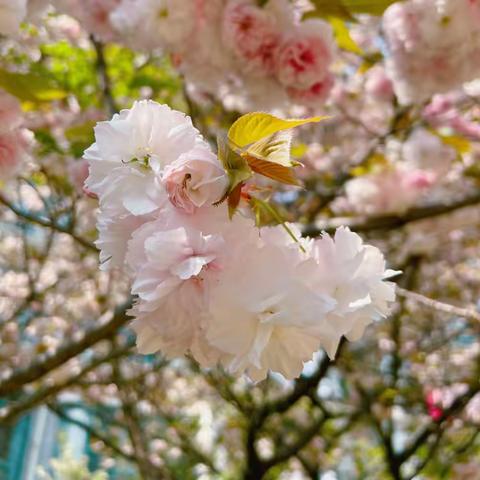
(469, 313)
(46, 223)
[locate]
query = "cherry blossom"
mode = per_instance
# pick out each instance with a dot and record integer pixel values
(433, 46)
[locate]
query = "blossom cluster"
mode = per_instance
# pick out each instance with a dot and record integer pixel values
(434, 46)
(15, 140)
(247, 54)
(264, 55)
(419, 166)
(224, 291)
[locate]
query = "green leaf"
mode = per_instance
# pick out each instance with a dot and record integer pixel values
(234, 164)
(80, 137)
(343, 37)
(30, 87)
(237, 170)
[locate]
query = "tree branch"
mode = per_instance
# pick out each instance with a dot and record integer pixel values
(435, 426)
(46, 223)
(60, 412)
(105, 82)
(387, 222)
(10, 413)
(44, 365)
(469, 312)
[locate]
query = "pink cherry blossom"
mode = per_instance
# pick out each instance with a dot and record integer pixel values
(305, 55)
(14, 148)
(433, 46)
(251, 33)
(78, 173)
(316, 94)
(10, 112)
(94, 15)
(195, 179)
(378, 84)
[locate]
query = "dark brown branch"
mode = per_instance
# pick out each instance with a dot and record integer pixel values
(388, 222)
(303, 386)
(104, 78)
(434, 426)
(44, 365)
(11, 412)
(303, 439)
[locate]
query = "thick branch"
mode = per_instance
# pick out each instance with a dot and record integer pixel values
(387, 222)
(12, 412)
(303, 439)
(44, 365)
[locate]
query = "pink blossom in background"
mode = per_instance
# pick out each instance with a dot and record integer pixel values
(94, 15)
(378, 84)
(78, 174)
(10, 112)
(314, 95)
(434, 46)
(305, 55)
(433, 401)
(396, 187)
(14, 151)
(445, 111)
(252, 35)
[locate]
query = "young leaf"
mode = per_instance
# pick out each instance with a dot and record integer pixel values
(234, 199)
(264, 141)
(252, 127)
(275, 148)
(343, 37)
(274, 171)
(238, 172)
(235, 165)
(271, 157)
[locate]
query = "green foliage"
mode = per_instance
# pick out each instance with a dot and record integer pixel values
(80, 137)
(72, 68)
(31, 87)
(131, 72)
